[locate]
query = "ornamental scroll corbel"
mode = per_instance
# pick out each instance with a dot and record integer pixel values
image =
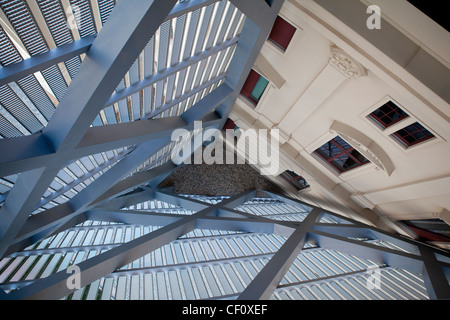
(366, 146)
(345, 64)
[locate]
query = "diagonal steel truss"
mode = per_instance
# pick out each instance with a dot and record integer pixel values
(69, 135)
(227, 216)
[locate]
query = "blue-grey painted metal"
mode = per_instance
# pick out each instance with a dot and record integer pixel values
(267, 280)
(45, 60)
(103, 67)
(55, 286)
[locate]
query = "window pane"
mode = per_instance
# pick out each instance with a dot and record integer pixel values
(254, 87)
(341, 155)
(412, 134)
(282, 33)
(259, 89)
(388, 114)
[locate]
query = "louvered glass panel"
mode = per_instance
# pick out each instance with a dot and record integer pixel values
(8, 52)
(14, 105)
(83, 17)
(56, 20)
(37, 95)
(105, 8)
(73, 65)
(24, 25)
(7, 129)
(56, 81)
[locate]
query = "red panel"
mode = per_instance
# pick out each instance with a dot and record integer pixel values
(250, 83)
(229, 124)
(427, 235)
(282, 32)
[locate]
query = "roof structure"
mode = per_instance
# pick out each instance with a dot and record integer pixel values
(90, 92)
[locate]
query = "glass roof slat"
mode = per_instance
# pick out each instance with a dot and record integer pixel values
(85, 21)
(56, 21)
(17, 109)
(105, 8)
(55, 80)
(188, 40)
(225, 23)
(31, 87)
(180, 23)
(219, 8)
(24, 25)
(163, 45)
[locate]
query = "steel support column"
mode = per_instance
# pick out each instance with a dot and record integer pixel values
(433, 275)
(267, 280)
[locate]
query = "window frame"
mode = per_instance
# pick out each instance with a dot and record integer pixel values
(295, 177)
(344, 151)
(406, 143)
(390, 131)
(278, 23)
(244, 89)
(378, 119)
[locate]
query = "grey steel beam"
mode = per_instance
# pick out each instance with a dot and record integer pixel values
(140, 85)
(161, 219)
(45, 60)
(433, 275)
(84, 177)
(378, 254)
(147, 218)
(358, 231)
(267, 280)
(253, 36)
(150, 177)
(55, 286)
(169, 196)
(33, 152)
(114, 136)
(209, 103)
(257, 11)
(102, 69)
(70, 213)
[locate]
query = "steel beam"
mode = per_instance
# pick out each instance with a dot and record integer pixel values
(33, 152)
(267, 280)
(45, 60)
(103, 67)
(433, 275)
(257, 11)
(51, 221)
(378, 254)
(55, 286)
